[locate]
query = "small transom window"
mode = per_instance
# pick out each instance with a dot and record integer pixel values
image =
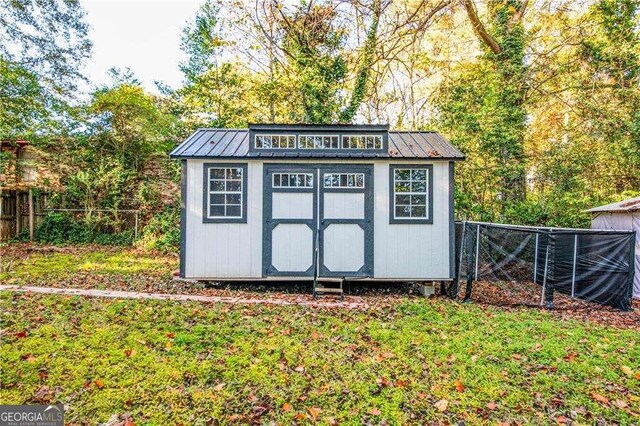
(344, 180)
(275, 141)
(411, 194)
(319, 142)
(293, 180)
(225, 190)
(362, 142)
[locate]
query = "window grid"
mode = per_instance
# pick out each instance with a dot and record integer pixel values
(292, 180)
(318, 141)
(275, 141)
(344, 180)
(362, 142)
(225, 192)
(410, 193)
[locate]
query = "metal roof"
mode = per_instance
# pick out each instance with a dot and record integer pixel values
(629, 205)
(234, 143)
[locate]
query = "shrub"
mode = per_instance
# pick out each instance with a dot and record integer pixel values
(162, 232)
(60, 228)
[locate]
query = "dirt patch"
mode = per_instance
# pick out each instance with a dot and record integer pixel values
(511, 296)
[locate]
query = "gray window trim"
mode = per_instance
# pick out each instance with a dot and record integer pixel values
(392, 198)
(205, 193)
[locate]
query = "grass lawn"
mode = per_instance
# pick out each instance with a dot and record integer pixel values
(418, 361)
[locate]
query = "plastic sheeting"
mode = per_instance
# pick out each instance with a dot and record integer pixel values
(594, 265)
(622, 220)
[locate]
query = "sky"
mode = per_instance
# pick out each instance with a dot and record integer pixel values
(143, 35)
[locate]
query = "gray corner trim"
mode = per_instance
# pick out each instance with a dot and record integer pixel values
(430, 183)
(205, 191)
(183, 217)
(452, 222)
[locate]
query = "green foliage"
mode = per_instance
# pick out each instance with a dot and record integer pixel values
(162, 232)
(313, 42)
(61, 228)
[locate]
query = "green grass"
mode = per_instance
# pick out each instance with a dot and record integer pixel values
(40, 266)
(171, 363)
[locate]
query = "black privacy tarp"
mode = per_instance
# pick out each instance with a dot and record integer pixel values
(593, 265)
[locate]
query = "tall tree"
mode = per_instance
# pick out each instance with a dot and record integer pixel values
(42, 47)
(504, 41)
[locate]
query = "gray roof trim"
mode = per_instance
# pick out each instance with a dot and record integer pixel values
(234, 143)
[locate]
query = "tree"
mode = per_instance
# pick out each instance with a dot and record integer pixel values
(42, 47)
(504, 43)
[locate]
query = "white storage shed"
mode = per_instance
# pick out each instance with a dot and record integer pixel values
(294, 202)
(621, 216)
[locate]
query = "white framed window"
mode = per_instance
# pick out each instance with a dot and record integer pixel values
(318, 141)
(292, 180)
(275, 141)
(225, 192)
(362, 141)
(412, 194)
(344, 180)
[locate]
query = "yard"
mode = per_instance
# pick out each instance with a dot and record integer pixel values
(403, 359)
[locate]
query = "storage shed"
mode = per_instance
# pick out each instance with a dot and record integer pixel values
(623, 215)
(294, 202)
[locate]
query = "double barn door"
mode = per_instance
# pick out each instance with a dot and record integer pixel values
(318, 218)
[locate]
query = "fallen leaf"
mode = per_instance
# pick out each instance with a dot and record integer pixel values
(99, 383)
(42, 395)
(171, 335)
(561, 419)
(459, 386)
(168, 346)
(129, 422)
(286, 407)
(374, 412)
(492, 405)
(219, 387)
(129, 352)
(300, 369)
(516, 356)
(442, 405)
(314, 412)
(600, 398)
(620, 403)
(626, 370)
(315, 334)
(300, 416)
(21, 334)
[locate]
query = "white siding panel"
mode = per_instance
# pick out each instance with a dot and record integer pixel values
(219, 250)
(292, 247)
(292, 205)
(343, 247)
(415, 251)
(343, 205)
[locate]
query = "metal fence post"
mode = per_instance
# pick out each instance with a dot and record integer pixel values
(469, 244)
(575, 259)
(535, 260)
(477, 249)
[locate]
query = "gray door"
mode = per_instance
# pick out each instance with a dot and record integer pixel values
(346, 221)
(318, 215)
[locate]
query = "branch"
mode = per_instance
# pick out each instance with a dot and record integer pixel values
(517, 17)
(479, 28)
